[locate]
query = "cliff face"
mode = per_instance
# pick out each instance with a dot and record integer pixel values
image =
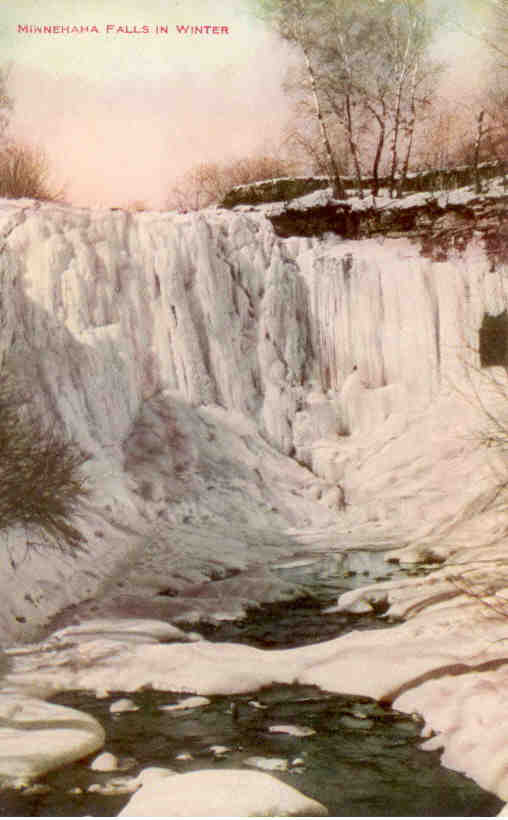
(148, 336)
(210, 306)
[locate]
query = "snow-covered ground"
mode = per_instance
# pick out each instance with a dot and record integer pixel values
(193, 357)
(383, 201)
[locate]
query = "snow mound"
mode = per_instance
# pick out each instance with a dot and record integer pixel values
(225, 793)
(36, 737)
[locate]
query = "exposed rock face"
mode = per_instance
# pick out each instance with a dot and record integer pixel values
(287, 188)
(273, 190)
(439, 224)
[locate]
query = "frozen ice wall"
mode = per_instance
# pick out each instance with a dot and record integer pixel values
(398, 317)
(396, 336)
(346, 354)
(108, 307)
(204, 304)
(214, 306)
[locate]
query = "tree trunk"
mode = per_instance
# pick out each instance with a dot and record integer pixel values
(352, 145)
(349, 115)
(477, 147)
(337, 184)
(411, 130)
(381, 121)
(398, 114)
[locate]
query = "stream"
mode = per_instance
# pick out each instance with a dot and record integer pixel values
(350, 753)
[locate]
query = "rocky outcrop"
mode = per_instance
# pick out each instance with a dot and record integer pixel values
(273, 190)
(288, 188)
(439, 224)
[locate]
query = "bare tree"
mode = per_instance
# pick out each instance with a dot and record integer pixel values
(408, 78)
(366, 65)
(446, 135)
(299, 23)
(208, 182)
(497, 35)
(343, 54)
(452, 134)
(478, 142)
(303, 137)
(377, 104)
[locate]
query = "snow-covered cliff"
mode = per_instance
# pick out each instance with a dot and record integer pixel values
(192, 353)
(205, 365)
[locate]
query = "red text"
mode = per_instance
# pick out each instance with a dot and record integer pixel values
(202, 29)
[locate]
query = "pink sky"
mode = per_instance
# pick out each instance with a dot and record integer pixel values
(121, 141)
(120, 117)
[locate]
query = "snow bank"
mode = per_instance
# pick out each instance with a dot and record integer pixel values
(447, 662)
(36, 737)
(226, 793)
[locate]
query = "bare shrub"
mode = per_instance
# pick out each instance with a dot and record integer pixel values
(40, 481)
(24, 172)
(208, 182)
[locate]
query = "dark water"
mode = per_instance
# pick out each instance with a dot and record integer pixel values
(294, 623)
(362, 759)
(304, 620)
